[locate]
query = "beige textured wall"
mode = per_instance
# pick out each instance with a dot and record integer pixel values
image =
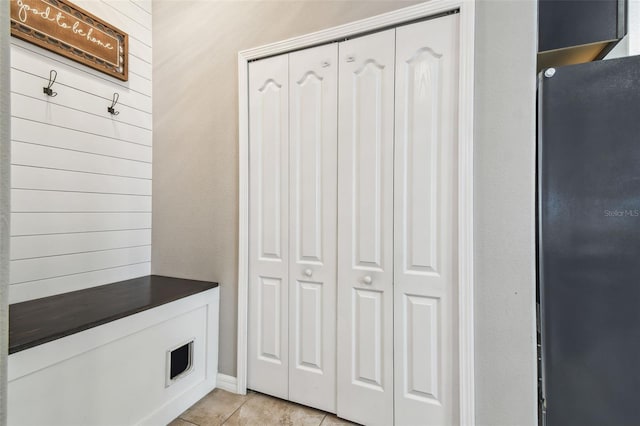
(195, 130)
(504, 255)
(195, 179)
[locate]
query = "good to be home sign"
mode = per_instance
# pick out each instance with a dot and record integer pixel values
(62, 27)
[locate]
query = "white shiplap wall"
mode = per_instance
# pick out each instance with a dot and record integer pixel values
(80, 177)
(5, 153)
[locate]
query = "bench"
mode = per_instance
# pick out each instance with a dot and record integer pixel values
(139, 351)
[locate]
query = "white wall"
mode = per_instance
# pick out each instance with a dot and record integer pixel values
(81, 178)
(505, 95)
(630, 44)
(633, 27)
(5, 151)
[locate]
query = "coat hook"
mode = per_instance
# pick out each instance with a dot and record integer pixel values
(53, 74)
(111, 109)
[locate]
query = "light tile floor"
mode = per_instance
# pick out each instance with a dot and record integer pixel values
(224, 408)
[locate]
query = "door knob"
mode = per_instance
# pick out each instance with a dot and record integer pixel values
(367, 279)
(308, 272)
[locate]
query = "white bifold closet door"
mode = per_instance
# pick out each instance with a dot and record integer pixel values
(365, 229)
(425, 217)
(313, 87)
(268, 342)
(292, 226)
(352, 225)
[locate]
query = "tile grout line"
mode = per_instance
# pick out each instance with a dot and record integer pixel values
(185, 420)
(239, 407)
(252, 395)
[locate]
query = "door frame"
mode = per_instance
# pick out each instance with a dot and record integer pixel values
(466, 8)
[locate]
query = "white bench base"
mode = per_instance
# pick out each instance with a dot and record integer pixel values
(114, 374)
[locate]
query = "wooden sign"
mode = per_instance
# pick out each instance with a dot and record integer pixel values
(61, 27)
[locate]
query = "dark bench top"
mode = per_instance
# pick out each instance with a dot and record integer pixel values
(42, 320)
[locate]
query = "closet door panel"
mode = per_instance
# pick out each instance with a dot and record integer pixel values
(365, 229)
(313, 82)
(268, 346)
(425, 217)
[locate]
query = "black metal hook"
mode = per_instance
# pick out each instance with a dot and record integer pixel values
(52, 79)
(111, 109)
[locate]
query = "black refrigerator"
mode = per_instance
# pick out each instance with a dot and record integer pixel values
(588, 235)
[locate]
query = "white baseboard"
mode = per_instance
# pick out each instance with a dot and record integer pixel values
(227, 383)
